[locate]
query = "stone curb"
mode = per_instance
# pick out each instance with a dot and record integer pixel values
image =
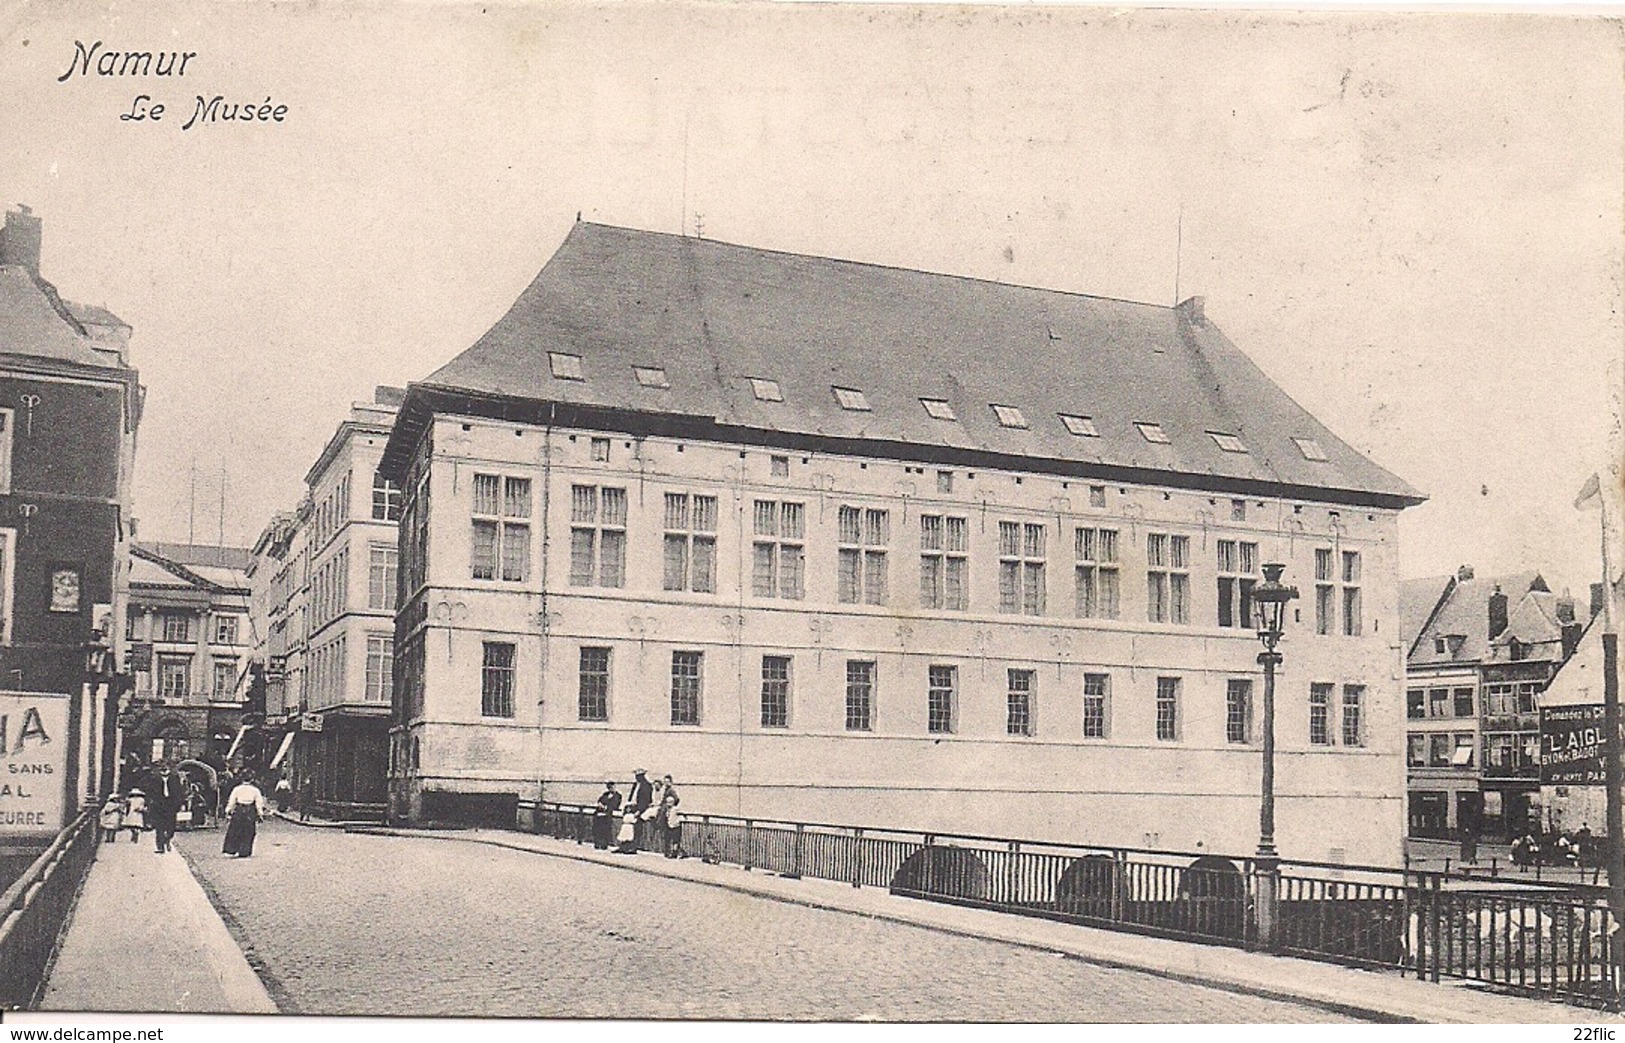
(1396, 1010)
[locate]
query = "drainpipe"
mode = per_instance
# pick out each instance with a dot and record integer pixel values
(547, 529)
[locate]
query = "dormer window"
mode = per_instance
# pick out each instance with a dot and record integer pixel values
(851, 399)
(1082, 426)
(1009, 416)
(565, 367)
(651, 376)
(938, 408)
(1310, 449)
(1152, 433)
(1229, 443)
(765, 390)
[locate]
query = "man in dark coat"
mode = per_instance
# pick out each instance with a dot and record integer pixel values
(640, 799)
(603, 816)
(165, 797)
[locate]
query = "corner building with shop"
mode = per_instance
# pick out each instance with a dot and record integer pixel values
(836, 542)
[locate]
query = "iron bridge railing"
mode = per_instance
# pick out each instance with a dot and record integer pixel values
(34, 911)
(1534, 938)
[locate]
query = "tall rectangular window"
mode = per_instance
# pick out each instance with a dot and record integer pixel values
(691, 543)
(1416, 750)
(944, 561)
(864, 535)
(501, 528)
(386, 499)
(383, 564)
(1095, 551)
(1019, 702)
(941, 682)
(685, 687)
(1320, 712)
(1168, 579)
(597, 536)
(1325, 593)
(860, 695)
(1353, 715)
(1168, 709)
(225, 679)
(174, 677)
(1464, 702)
(1238, 567)
(1021, 568)
(1238, 710)
(1096, 710)
(779, 551)
(592, 695)
(496, 680)
(380, 668)
(1353, 623)
(775, 691)
(6, 424)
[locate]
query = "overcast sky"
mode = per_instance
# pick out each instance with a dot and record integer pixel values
(1412, 223)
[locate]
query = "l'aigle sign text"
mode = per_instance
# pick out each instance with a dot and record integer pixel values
(33, 758)
(94, 60)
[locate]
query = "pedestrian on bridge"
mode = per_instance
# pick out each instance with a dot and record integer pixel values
(244, 809)
(627, 839)
(135, 814)
(111, 818)
(603, 816)
(164, 803)
(671, 821)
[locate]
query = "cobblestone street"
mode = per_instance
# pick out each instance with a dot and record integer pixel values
(355, 924)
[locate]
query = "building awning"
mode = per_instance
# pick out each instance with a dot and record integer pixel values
(1462, 757)
(241, 731)
(282, 751)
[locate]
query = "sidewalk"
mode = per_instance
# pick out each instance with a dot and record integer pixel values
(1365, 994)
(144, 937)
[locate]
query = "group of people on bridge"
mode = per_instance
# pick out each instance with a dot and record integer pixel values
(645, 806)
(163, 796)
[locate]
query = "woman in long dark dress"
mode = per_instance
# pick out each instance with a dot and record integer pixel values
(244, 808)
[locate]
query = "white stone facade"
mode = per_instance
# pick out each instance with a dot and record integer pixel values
(1193, 785)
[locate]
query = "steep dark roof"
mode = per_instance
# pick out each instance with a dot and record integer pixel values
(34, 321)
(1418, 599)
(713, 314)
(1466, 611)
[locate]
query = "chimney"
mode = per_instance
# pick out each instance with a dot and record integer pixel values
(1596, 599)
(1571, 638)
(1498, 612)
(387, 395)
(1464, 573)
(1565, 609)
(20, 239)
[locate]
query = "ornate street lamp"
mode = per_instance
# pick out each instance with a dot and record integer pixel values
(1271, 597)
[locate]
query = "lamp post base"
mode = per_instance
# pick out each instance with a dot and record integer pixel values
(1267, 897)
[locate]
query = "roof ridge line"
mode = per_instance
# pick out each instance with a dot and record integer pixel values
(905, 269)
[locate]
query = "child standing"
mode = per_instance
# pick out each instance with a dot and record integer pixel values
(135, 814)
(112, 818)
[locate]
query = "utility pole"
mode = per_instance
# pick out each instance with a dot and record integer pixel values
(1611, 756)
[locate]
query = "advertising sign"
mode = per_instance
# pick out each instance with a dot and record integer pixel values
(311, 722)
(1571, 745)
(33, 762)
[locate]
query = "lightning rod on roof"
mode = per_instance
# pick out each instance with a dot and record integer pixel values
(1179, 248)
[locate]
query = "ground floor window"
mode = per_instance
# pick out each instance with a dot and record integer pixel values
(860, 695)
(496, 680)
(685, 687)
